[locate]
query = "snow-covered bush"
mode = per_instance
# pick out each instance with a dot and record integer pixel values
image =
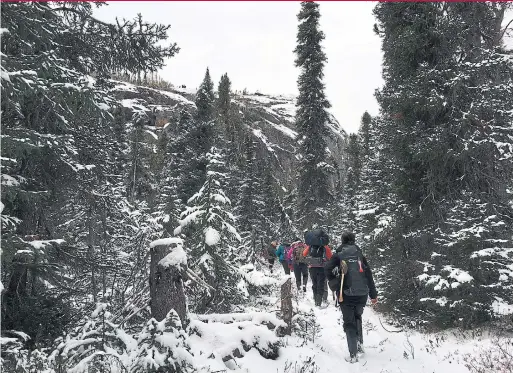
(163, 344)
(18, 358)
(255, 282)
(498, 358)
(95, 346)
(305, 325)
(308, 365)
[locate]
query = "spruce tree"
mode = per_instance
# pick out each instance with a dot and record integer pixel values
(229, 122)
(314, 191)
(205, 99)
(198, 138)
(452, 148)
(364, 133)
(65, 202)
(352, 179)
(209, 223)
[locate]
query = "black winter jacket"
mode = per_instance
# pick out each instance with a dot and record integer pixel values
(334, 280)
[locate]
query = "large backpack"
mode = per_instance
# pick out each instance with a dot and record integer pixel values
(355, 280)
(317, 237)
(316, 256)
(297, 252)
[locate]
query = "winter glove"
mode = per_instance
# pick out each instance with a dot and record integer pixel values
(336, 271)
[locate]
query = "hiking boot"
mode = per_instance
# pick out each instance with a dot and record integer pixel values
(317, 299)
(360, 348)
(304, 289)
(352, 359)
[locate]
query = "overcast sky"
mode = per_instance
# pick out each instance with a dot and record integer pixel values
(254, 41)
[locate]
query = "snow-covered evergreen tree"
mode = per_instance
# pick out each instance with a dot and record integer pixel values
(446, 84)
(62, 154)
(212, 237)
(97, 345)
(163, 345)
(314, 185)
(198, 140)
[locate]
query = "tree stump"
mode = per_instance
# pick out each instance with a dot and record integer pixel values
(166, 286)
(286, 305)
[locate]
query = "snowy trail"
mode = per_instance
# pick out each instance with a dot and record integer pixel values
(386, 352)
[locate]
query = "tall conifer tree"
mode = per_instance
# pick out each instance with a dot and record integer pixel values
(314, 192)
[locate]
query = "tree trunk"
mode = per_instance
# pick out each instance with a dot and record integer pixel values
(286, 305)
(166, 287)
(90, 252)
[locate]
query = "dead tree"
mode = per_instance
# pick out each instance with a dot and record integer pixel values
(286, 305)
(166, 283)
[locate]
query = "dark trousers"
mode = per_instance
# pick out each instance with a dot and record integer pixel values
(352, 316)
(271, 264)
(285, 267)
(318, 280)
(301, 271)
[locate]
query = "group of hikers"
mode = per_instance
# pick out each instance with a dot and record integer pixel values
(346, 272)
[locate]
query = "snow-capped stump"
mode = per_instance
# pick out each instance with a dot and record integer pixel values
(167, 270)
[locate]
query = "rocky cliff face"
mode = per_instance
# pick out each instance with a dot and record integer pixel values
(269, 118)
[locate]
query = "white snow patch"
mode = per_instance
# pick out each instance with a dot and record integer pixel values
(153, 134)
(458, 274)
(284, 129)
(212, 236)
(367, 212)
(177, 257)
(500, 307)
(39, 245)
(166, 241)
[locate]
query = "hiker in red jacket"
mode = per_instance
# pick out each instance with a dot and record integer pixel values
(317, 253)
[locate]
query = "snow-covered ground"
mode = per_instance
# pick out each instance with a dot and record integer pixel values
(386, 351)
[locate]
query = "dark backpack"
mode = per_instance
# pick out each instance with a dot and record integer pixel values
(355, 280)
(317, 237)
(316, 256)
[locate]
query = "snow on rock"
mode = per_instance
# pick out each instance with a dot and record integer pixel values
(134, 104)
(235, 335)
(288, 109)
(258, 133)
(173, 96)
(284, 129)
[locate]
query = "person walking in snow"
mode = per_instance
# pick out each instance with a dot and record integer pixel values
(317, 252)
(300, 268)
(350, 268)
(271, 254)
(281, 254)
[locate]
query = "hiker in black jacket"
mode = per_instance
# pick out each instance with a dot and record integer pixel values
(357, 287)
